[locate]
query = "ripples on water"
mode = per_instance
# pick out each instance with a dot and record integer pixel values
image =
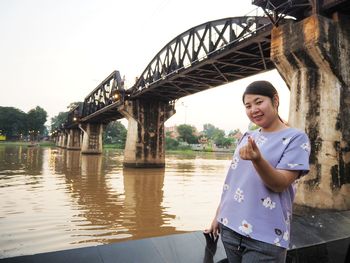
(53, 199)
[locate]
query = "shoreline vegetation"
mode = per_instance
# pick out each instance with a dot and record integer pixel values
(22, 143)
(105, 146)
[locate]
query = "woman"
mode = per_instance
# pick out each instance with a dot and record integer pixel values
(255, 210)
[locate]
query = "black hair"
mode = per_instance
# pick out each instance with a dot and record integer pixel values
(260, 87)
(264, 88)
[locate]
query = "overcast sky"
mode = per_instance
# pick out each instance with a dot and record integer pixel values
(54, 52)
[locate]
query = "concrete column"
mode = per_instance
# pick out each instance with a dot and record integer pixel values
(313, 58)
(65, 139)
(60, 138)
(73, 141)
(57, 139)
(62, 141)
(92, 138)
(146, 139)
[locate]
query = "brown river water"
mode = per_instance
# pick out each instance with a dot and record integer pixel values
(53, 199)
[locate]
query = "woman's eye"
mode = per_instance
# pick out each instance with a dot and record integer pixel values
(259, 102)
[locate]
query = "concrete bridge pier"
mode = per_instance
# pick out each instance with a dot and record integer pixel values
(92, 138)
(62, 139)
(146, 138)
(73, 139)
(313, 58)
(57, 139)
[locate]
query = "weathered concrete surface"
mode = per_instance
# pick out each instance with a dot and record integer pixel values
(73, 141)
(92, 138)
(62, 139)
(146, 139)
(313, 58)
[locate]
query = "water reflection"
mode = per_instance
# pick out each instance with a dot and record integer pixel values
(20, 159)
(99, 204)
(143, 213)
(130, 212)
(53, 199)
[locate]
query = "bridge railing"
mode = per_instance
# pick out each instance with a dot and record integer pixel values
(109, 91)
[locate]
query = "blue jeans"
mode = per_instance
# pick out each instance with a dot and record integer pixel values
(246, 250)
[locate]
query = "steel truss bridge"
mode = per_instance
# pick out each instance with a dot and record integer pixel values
(203, 57)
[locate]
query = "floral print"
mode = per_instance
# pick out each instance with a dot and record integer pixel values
(224, 221)
(279, 232)
(267, 202)
(246, 228)
(286, 140)
(277, 242)
(306, 147)
(288, 219)
(261, 140)
(292, 165)
(226, 187)
(239, 197)
(234, 162)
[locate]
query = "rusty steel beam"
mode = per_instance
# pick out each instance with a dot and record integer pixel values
(300, 9)
(206, 56)
(106, 96)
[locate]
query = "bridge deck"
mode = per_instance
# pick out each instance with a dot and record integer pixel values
(314, 238)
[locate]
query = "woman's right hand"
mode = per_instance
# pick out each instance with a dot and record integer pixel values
(214, 229)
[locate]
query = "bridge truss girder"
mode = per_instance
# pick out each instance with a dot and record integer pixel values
(206, 56)
(104, 101)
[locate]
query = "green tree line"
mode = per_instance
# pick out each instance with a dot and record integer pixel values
(16, 124)
(187, 135)
(115, 134)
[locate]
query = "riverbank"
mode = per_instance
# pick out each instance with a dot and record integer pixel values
(20, 143)
(185, 151)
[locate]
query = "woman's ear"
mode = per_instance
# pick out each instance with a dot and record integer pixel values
(276, 101)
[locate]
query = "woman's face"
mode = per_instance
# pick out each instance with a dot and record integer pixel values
(261, 110)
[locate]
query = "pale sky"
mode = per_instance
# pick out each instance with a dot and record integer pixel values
(54, 52)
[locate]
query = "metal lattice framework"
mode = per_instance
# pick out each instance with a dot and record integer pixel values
(276, 10)
(104, 100)
(74, 116)
(206, 56)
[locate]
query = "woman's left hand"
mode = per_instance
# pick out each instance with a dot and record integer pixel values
(250, 151)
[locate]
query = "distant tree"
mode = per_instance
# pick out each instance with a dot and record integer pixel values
(13, 122)
(58, 120)
(170, 143)
(234, 132)
(115, 133)
(209, 130)
(36, 121)
(228, 141)
(186, 133)
(218, 137)
(252, 126)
